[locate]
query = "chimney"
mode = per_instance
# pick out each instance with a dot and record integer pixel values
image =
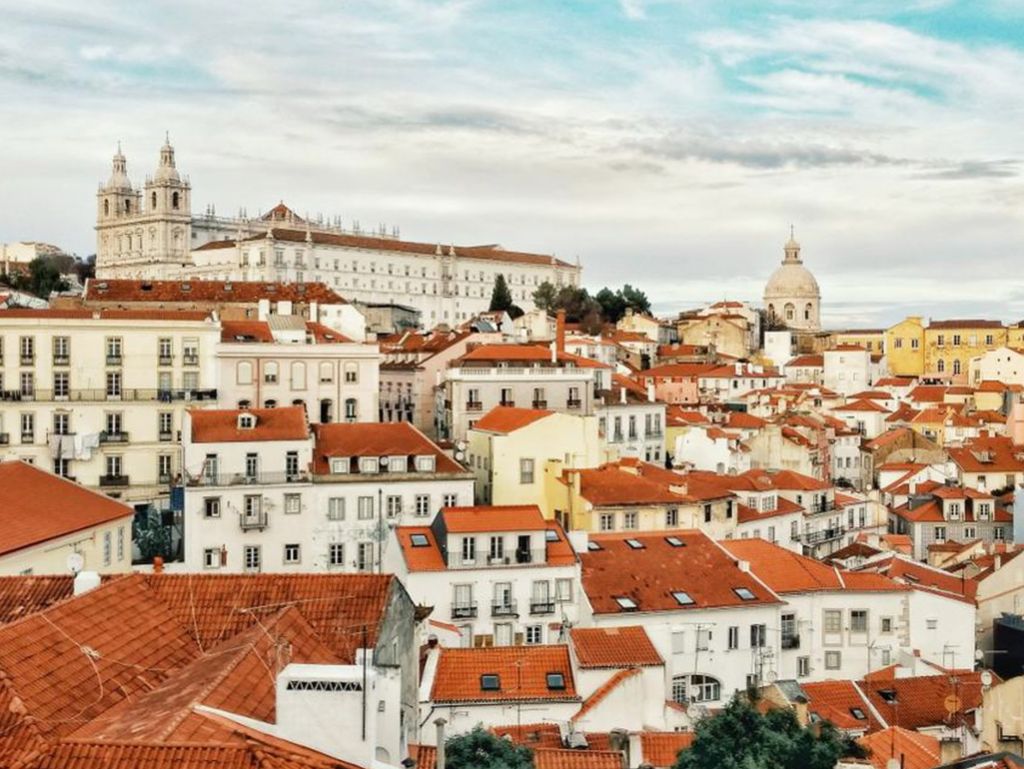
(913, 487)
(650, 390)
(440, 760)
(622, 395)
(158, 565)
(86, 581)
(560, 331)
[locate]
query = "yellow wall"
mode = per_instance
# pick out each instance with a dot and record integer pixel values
(727, 337)
(872, 341)
(904, 345)
(51, 557)
(973, 342)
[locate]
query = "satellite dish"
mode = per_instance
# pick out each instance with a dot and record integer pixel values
(769, 677)
(383, 461)
(986, 678)
(460, 455)
(979, 655)
(461, 445)
(75, 562)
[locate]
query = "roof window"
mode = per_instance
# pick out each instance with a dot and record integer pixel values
(556, 681)
(682, 598)
(745, 593)
(626, 603)
(551, 535)
(889, 695)
(246, 421)
(419, 540)
(636, 544)
(593, 546)
(490, 682)
(675, 541)
(858, 714)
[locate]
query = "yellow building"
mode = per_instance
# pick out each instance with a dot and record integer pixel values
(727, 334)
(904, 345)
(512, 451)
(951, 344)
(54, 526)
(872, 340)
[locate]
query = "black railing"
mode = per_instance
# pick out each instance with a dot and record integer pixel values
(474, 406)
(166, 435)
(250, 521)
(545, 606)
(118, 436)
(28, 360)
(113, 480)
(503, 608)
(824, 535)
(246, 479)
(464, 610)
(540, 404)
(573, 403)
(524, 556)
(124, 394)
(61, 360)
(165, 360)
(190, 360)
(114, 360)
(790, 642)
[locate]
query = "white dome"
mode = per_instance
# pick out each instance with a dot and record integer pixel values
(792, 280)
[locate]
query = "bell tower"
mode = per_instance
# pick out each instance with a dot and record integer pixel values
(118, 207)
(168, 216)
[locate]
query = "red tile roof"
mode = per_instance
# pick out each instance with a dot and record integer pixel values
(517, 353)
(611, 485)
(787, 572)
(287, 423)
(928, 394)
(661, 749)
(863, 405)
(245, 331)
(923, 577)
(24, 595)
(807, 361)
(942, 324)
(321, 334)
(428, 557)
(988, 454)
(614, 647)
(522, 672)
(37, 506)
(564, 758)
(373, 439)
(834, 701)
(485, 518)
(191, 291)
(508, 419)
(104, 315)
(911, 749)
(920, 700)
(740, 420)
(649, 575)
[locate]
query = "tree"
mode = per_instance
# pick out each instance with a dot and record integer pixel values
(481, 749)
(44, 276)
(85, 268)
(636, 300)
(545, 295)
(501, 297)
(614, 304)
(741, 737)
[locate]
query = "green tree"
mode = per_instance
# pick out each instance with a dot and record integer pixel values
(741, 737)
(636, 300)
(545, 295)
(44, 276)
(481, 749)
(613, 306)
(501, 296)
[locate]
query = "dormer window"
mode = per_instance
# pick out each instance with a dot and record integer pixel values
(550, 535)
(246, 421)
(369, 464)
(425, 463)
(635, 544)
(339, 464)
(398, 464)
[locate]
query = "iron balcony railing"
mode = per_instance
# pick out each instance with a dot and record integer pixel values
(542, 606)
(464, 610)
(246, 479)
(250, 521)
(124, 394)
(113, 480)
(503, 608)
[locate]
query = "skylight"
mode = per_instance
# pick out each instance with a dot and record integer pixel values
(419, 540)
(490, 682)
(744, 593)
(551, 535)
(858, 714)
(625, 602)
(889, 695)
(592, 546)
(556, 681)
(675, 541)
(636, 544)
(682, 598)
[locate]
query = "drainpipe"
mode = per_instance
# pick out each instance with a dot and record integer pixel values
(440, 761)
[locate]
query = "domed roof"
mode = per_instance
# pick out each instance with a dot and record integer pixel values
(791, 280)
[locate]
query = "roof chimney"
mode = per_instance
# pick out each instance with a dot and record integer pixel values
(158, 565)
(560, 331)
(440, 756)
(86, 581)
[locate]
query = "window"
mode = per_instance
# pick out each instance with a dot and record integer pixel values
(607, 522)
(534, 635)
(940, 533)
(211, 507)
(707, 513)
(270, 373)
(164, 350)
(450, 500)
(629, 520)
(165, 425)
(292, 504)
(422, 504)
(28, 423)
(113, 350)
(326, 372)
(243, 373)
(758, 636)
(107, 548)
(120, 543)
(858, 621)
(251, 557)
(671, 518)
(833, 660)
(211, 558)
(734, 637)
(555, 681)
(695, 688)
(336, 509)
(744, 593)
(365, 508)
(563, 590)
(364, 556)
(252, 465)
(525, 471)
(833, 620)
(886, 624)
(291, 554)
(803, 667)
(351, 412)
(163, 468)
(931, 623)
(351, 373)
(61, 423)
(113, 384)
(626, 603)
(61, 384)
(682, 598)
(28, 349)
(336, 554)
(394, 505)
(113, 466)
(675, 542)
(490, 682)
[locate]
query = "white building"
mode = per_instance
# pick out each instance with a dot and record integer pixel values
(503, 575)
(285, 359)
(847, 369)
(712, 448)
(631, 421)
(99, 395)
(1004, 364)
(152, 233)
(265, 493)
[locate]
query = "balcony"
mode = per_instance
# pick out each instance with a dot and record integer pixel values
(166, 435)
(164, 478)
(510, 403)
(540, 404)
(246, 479)
(61, 360)
(165, 360)
(824, 535)
(190, 359)
(125, 394)
(28, 360)
(542, 606)
(28, 437)
(118, 436)
(524, 556)
(573, 403)
(114, 360)
(504, 609)
(474, 406)
(790, 641)
(107, 481)
(464, 610)
(253, 521)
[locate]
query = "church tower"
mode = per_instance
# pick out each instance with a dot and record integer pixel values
(118, 206)
(168, 200)
(791, 295)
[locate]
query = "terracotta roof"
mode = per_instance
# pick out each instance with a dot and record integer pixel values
(888, 437)
(373, 439)
(943, 324)
(764, 480)
(783, 506)
(321, 334)
(928, 394)
(611, 485)
(524, 353)
(287, 423)
(895, 381)
(165, 316)
(245, 331)
(806, 361)
(678, 416)
(487, 253)
(485, 518)
(919, 701)
(911, 749)
(703, 573)
(787, 572)
(508, 419)
(744, 421)
(661, 749)
(522, 674)
(24, 595)
(190, 291)
(988, 454)
(679, 370)
(863, 405)
(923, 577)
(564, 758)
(614, 647)
(37, 506)
(835, 701)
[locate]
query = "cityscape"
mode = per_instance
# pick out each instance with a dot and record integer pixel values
(466, 484)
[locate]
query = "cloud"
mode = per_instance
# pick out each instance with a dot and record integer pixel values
(975, 169)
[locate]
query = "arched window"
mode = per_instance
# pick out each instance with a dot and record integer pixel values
(243, 373)
(127, 206)
(106, 207)
(244, 404)
(270, 372)
(270, 404)
(940, 366)
(326, 372)
(790, 311)
(956, 367)
(153, 199)
(695, 687)
(298, 380)
(326, 411)
(174, 200)
(808, 310)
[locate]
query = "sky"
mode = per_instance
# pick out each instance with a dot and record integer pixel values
(666, 143)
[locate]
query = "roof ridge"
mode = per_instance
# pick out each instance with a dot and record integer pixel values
(601, 692)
